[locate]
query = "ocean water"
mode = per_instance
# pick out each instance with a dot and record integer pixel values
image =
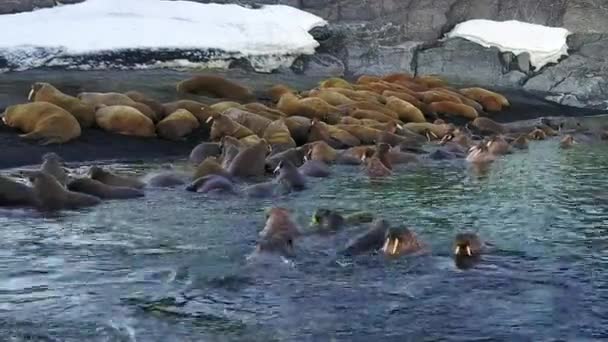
(173, 266)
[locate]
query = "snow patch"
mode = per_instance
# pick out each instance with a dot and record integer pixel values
(544, 44)
(95, 30)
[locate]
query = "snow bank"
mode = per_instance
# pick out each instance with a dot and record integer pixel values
(54, 36)
(544, 44)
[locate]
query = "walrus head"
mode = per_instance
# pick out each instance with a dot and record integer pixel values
(467, 245)
(400, 241)
(35, 88)
(280, 244)
(326, 220)
(52, 156)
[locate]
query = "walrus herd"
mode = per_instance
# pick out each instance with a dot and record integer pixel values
(375, 123)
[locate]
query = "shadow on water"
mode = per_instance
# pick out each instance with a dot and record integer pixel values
(172, 266)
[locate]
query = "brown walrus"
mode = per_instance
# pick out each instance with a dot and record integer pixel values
(203, 150)
(453, 109)
(53, 196)
(45, 92)
(401, 241)
(13, 193)
(250, 161)
(488, 126)
(567, 142)
(278, 136)
(155, 106)
(225, 126)
(177, 125)
(256, 123)
(108, 99)
(467, 249)
(209, 166)
(98, 189)
(407, 112)
(194, 107)
(109, 178)
(216, 86)
(278, 234)
(52, 164)
(125, 120)
(491, 101)
(42, 121)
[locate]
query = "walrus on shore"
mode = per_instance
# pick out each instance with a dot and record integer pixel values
(53, 165)
(278, 90)
(215, 86)
(109, 178)
(310, 107)
(42, 121)
(453, 109)
(125, 120)
(278, 136)
(204, 150)
(371, 114)
(209, 166)
(335, 82)
(45, 92)
(212, 183)
(166, 179)
(13, 193)
(256, 123)
(405, 97)
(108, 99)
(488, 126)
(155, 106)
(98, 189)
(53, 196)
(295, 155)
(369, 241)
(430, 81)
(467, 249)
(401, 241)
(431, 96)
(263, 110)
(364, 96)
(332, 97)
(320, 150)
(225, 126)
(250, 161)
(364, 79)
(429, 130)
(491, 101)
(177, 125)
(196, 108)
(299, 127)
(407, 112)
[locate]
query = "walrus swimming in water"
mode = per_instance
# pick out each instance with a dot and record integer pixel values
(315, 168)
(250, 161)
(216, 86)
(45, 92)
(212, 183)
(369, 241)
(279, 222)
(290, 177)
(53, 166)
(98, 189)
(53, 196)
(467, 249)
(209, 166)
(401, 241)
(13, 193)
(42, 121)
(567, 142)
(109, 178)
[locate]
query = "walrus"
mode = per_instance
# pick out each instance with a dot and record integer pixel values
(53, 165)
(430, 81)
(125, 120)
(98, 189)
(42, 121)
(401, 241)
(381, 152)
(263, 110)
(209, 166)
(371, 114)
(299, 127)
(479, 154)
(108, 99)
(230, 147)
(362, 96)
(45, 92)
(216, 86)
(468, 101)
(278, 90)
(491, 101)
(467, 249)
(295, 155)
(396, 156)
(256, 123)
(537, 134)
(225, 126)
(364, 79)
(310, 107)
(453, 109)
(13, 193)
(330, 221)
(155, 106)
(320, 150)
(497, 145)
(196, 108)
(250, 161)
(332, 97)
(405, 97)
(290, 177)
(488, 126)
(279, 223)
(166, 179)
(278, 136)
(342, 137)
(212, 183)
(374, 167)
(177, 125)
(315, 168)
(521, 142)
(369, 241)
(567, 142)
(428, 129)
(53, 196)
(109, 178)
(204, 150)
(145, 110)
(335, 82)
(407, 112)
(366, 135)
(431, 96)
(366, 105)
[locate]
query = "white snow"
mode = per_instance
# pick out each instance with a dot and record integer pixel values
(544, 44)
(112, 25)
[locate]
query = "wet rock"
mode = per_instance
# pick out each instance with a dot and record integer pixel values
(463, 62)
(321, 64)
(379, 59)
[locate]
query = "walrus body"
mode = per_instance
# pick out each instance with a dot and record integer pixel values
(177, 125)
(52, 164)
(101, 190)
(250, 162)
(53, 196)
(13, 193)
(216, 86)
(125, 120)
(109, 178)
(42, 121)
(45, 92)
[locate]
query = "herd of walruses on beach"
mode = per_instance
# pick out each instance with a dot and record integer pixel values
(375, 123)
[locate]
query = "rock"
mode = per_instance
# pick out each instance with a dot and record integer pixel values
(463, 62)
(378, 60)
(321, 64)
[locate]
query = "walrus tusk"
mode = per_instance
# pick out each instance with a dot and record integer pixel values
(305, 158)
(30, 95)
(385, 247)
(469, 251)
(209, 119)
(399, 126)
(428, 137)
(457, 250)
(276, 169)
(395, 247)
(434, 135)
(489, 143)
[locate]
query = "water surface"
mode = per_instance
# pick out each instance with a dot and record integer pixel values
(172, 266)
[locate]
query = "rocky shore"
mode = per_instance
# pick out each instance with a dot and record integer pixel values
(381, 36)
